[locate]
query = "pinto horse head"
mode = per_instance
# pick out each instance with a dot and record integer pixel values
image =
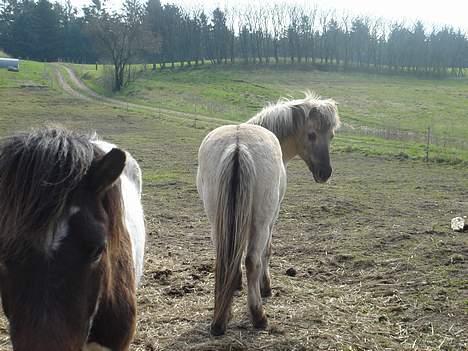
(60, 210)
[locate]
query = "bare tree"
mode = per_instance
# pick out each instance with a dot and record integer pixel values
(254, 19)
(345, 20)
(231, 36)
(119, 37)
(277, 15)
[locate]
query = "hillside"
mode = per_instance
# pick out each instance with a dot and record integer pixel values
(395, 108)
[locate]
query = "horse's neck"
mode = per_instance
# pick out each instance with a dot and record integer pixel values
(288, 144)
(288, 148)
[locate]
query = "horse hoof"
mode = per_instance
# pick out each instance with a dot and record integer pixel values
(239, 287)
(217, 330)
(261, 323)
(266, 292)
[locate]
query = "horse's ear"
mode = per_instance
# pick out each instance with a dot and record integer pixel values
(106, 171)
(298, 116)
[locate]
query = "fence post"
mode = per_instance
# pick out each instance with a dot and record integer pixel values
(428, 142)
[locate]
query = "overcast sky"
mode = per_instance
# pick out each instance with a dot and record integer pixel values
(451, 12)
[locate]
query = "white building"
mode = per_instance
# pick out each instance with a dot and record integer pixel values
(9, 63)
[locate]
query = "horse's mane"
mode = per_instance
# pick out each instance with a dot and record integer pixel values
(280, 118)
(39, 170)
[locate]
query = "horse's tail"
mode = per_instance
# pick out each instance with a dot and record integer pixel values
(232, 223)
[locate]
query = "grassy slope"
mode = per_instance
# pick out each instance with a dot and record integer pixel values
(383, 102)
(378, 267)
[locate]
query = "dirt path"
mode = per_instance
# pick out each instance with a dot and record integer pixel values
(66, 87)
(79, 90)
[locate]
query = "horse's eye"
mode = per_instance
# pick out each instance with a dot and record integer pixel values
(312, 137)
(96, 253)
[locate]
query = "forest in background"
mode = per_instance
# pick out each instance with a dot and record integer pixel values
(169, 35)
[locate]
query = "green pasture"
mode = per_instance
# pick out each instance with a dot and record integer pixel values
(381, 102)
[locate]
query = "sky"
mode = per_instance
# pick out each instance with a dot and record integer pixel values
(438, 13)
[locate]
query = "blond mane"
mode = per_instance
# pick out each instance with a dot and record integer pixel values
(281, 119)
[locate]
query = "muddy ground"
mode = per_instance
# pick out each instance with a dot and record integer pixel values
(377, 265)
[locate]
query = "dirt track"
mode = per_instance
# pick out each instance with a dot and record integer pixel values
(80, 90)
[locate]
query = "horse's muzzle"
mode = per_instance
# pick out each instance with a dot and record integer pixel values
(321, 174)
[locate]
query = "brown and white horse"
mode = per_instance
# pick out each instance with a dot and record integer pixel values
(72, 238)
(242, 180)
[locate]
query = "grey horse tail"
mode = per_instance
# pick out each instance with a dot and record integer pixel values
(233, 222)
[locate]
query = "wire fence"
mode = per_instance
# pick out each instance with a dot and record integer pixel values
(428, 137)
(429, 146)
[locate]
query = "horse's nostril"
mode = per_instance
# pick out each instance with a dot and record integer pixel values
(324, 174)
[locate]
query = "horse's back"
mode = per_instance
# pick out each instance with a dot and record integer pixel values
(261, 145)
(131, 185)
(258, 140)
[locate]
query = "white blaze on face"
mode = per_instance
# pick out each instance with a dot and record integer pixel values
(60, 231)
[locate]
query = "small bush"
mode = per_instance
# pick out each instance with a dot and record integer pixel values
(402, 155)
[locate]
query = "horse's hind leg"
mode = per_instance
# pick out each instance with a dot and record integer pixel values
(239, 279)
(265, 284)
(253, 264)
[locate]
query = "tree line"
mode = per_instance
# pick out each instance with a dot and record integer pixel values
(166, 35)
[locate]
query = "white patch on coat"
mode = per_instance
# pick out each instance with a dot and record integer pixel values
(131, 181)
(135, 222)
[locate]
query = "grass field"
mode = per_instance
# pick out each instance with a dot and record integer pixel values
(237, 92)
(407, 106)
(378, 267)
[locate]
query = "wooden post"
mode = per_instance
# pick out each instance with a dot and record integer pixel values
(428, 142)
